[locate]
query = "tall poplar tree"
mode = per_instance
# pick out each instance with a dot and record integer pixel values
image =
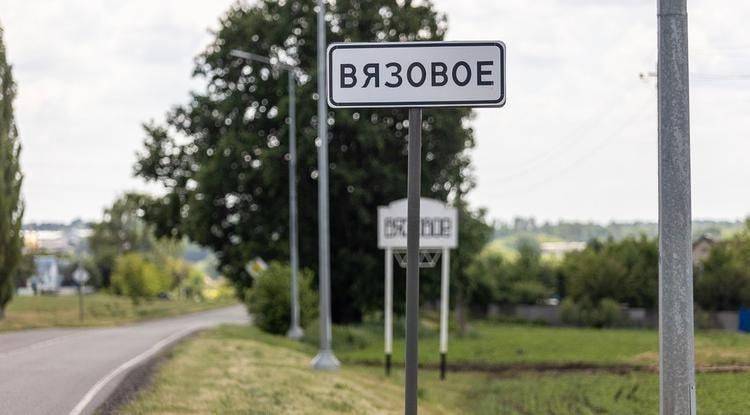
(11, 205)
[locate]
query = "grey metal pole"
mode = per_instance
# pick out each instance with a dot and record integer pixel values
(295, 331)
(414, 184)
(325, 360)
(676, 341)
(80, 301)
(388, 317)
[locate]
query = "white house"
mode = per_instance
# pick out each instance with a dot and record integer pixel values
(47, 276)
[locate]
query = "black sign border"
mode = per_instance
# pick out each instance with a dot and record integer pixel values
(486, 103)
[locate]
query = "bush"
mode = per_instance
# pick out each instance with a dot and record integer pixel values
(269, 300)
(138, 278)
(346, 337)
(605, 313)
(724, 283)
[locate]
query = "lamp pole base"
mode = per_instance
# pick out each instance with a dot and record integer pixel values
(388, 364)
(325, 360)
(295, 333)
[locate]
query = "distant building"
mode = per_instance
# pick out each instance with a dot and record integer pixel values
(702, 249)
(63, 240)
(559, 249)
(47, 276)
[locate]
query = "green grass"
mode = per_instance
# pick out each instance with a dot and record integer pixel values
(235, 370)
(502, 344)
(581, 393)
(99, 310)
(238, 369)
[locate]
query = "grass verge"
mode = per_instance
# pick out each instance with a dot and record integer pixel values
(99, 310)
(238, 369)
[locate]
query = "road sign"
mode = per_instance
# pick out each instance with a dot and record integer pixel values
(256, 266)
(438, 225)
(80, 275)
(416, 74)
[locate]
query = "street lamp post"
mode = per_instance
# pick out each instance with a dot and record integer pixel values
(295, 330)
(325, 359)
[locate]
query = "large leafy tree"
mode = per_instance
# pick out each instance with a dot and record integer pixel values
(222, 157)
(11, 205)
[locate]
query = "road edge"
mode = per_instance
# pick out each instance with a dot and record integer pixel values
(140, 377)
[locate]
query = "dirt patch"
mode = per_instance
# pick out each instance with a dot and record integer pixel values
(511, 369)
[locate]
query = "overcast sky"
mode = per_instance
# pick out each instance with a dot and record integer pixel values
(576, 140)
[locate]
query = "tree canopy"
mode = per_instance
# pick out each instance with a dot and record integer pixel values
(222, 157)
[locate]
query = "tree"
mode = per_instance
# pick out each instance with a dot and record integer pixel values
(11, 178)
(724, 283)
(626, 271)
(122, 229)
(269, 300)
(473, 234)
(225, 177)
(138, 278)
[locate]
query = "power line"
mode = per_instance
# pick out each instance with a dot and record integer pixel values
(630, 121)
(568, 142)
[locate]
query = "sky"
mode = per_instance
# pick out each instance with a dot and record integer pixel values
(576, 140)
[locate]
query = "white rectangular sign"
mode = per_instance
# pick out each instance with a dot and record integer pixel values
(438, 225)
(416, 74)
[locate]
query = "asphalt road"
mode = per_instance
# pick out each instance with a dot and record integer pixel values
(72, 371)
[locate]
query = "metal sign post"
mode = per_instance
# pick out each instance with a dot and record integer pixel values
(676, 337)
(414, 75)
(80, 276)
(414, 182)
(444, 299)
(388, 313)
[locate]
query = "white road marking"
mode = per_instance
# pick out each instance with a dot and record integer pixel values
(98, 386)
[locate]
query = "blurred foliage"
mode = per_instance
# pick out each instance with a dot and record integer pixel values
(138, 278)
(724, 281)
(625, 271)
(11, 179)
(269, 300)
(604, 313)
(121, 230)
(586, 231)
(523, 279)
(225, 176)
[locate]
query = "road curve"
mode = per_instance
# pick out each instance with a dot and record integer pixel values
(72, 371)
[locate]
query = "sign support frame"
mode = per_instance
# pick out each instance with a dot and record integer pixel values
(388, 314)
(444, 309)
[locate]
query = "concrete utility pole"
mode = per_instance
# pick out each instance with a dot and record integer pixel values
(676, 337)
(325, 360)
